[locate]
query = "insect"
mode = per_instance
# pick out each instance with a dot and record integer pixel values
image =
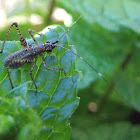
(27, 55)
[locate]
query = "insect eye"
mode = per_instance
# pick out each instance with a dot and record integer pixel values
(47, 41)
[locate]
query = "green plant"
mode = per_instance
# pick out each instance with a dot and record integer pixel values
(56, 99)
(108, 38)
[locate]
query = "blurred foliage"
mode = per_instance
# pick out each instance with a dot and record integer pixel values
(17, 120)
(108, 37)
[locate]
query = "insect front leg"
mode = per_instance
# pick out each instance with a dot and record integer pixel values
(30, 32)
(32, 75)
(45, 65)
(22, 40)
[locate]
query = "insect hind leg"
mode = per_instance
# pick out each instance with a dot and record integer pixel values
(45, 65)
(10, 78)
(22, 40)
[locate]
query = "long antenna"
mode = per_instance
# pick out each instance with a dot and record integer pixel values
(67, 30)
(91, 67)
(55, 45)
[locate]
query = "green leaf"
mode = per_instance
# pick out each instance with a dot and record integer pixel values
(108, 37)
(17, 120)
(109, 14)
(56, 99)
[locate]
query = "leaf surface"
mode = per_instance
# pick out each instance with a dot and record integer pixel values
(56, 99)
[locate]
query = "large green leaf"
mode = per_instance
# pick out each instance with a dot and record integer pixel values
(56, 99)
(110, 14)
(108, 38)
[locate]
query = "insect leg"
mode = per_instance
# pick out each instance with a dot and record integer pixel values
(45, 65)
(30, 32)
(10, 78)
(22, 40)
(31, 73)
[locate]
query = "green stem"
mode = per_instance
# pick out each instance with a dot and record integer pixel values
(50, 7)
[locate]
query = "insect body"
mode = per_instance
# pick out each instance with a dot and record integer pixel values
(27, 55)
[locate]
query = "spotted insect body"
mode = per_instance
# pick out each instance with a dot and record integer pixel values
(18, 59)
(26, 56)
